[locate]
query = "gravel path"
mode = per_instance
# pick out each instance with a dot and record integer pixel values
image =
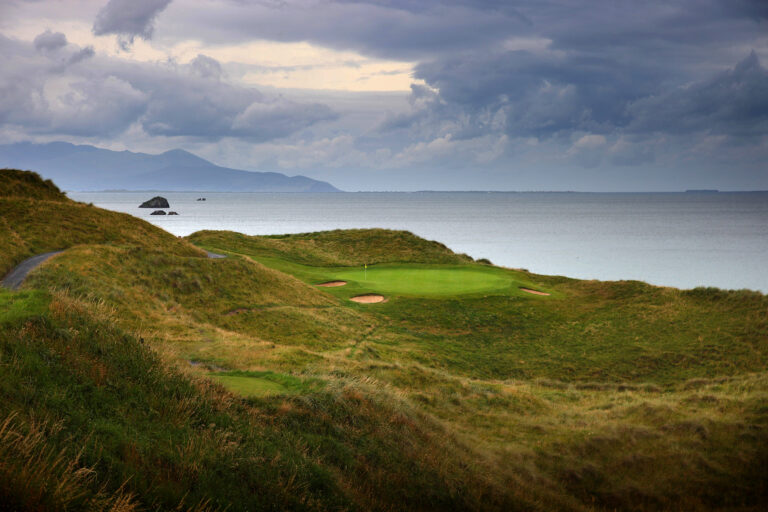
(16, 276)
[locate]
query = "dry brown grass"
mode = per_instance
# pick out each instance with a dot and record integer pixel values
(33, 476)
(27, 184)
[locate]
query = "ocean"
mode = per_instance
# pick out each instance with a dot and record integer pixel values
(683, 240)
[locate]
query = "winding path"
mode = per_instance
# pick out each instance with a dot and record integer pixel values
(16, 276)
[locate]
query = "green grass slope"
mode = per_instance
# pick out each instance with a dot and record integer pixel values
(35, 218)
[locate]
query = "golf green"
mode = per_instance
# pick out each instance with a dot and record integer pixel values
(425, 281)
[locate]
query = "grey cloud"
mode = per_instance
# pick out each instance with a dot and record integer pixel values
(81, 55)
(530, 69)
(108, 97)
(734, 102)
(49, 41)
(542, 96)
(523, 94)
(206, 67)
(128, 19)
(180, 105)
(268, 120)
(79, 105)
(425, 29)
(407, 30)
(628, 153)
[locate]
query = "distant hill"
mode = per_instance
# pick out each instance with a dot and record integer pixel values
(83, 168)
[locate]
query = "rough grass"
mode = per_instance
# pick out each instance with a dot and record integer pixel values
(353, 247)
(29, 227)
(27, 184)
(588, 393)
(172, 297)
(602, 396)
(146, 435)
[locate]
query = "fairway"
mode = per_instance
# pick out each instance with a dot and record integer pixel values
(426, 281)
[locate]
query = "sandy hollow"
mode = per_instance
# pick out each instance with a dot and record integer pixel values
(535, 292)
(368, 298)
(331, 284)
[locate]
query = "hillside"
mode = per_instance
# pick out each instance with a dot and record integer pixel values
(35, 217)
(21, 184)
(84, 168)
(238, 383)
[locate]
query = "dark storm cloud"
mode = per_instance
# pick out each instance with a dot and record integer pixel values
(525, 68)
(734, 102)
(46, 95)
(49, 41)
(402, 30)
(541, 96)
(427, 29)
(128, 19)
(608, 79)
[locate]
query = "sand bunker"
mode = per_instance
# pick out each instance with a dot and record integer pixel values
(535, 292)
(331, 284)
(368, 298)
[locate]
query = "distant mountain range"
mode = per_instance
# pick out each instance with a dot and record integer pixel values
(87, 168)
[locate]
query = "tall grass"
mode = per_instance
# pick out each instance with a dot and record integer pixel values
(35, 476)
(27, 184)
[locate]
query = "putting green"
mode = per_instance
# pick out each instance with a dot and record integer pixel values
(425, 281)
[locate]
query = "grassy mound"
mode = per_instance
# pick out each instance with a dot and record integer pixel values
(30, 226)
(352, 247)
(27, 184)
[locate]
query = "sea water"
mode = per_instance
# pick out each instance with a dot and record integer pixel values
(673, 239)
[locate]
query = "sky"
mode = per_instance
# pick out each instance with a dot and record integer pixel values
(599, 95)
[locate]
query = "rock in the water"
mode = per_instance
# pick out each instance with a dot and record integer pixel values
(158, 212)
(155, 202)
(172, 213)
